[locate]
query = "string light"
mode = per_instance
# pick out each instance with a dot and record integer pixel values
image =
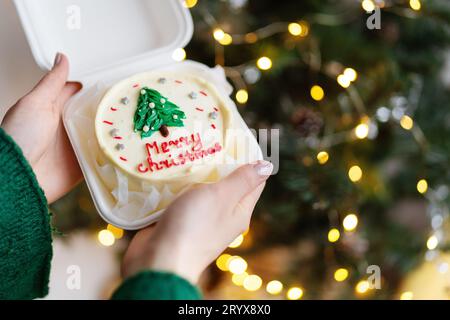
(226, 40)
(355, 173)
(179, 54)
(190, 3)
(368, 5)
(362, 287)
(242, 96)
(294, 293)
(333, 235)
(406, 122)
(322, 157)
(236, 242)
(432, 242)
(252, 282)
(218, 34)
(415, 5)
(274, 287)
(362, 130)
(343, 81)
(117, 232)
(222, 262)
(407, 295)
(237, 265)
(305, 28)
(295, 29)
(340, 274)
(238, 279)
(422, 186)
(317, 92)
(106, 238)
(264, 63)
(350, 222)
(350, 74)
(251, 37)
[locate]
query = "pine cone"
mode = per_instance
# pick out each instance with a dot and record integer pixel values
(307, 122)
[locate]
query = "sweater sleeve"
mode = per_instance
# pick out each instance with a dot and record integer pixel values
(25, 233)
(156, 285)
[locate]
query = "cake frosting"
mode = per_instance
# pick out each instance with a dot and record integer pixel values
(163, 127)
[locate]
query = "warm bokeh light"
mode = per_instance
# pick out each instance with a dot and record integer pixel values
(274, 287)
(106, 238)
(222, 262)
(406, 122)
(252, 282)
(355, 173)
(362, 287)
(179, 54)
(117, 232)
(343, 81)
(236, 242)
(238, 279)
(340, 274)
(422, 186)
(237, 265)
(362, 131)
(294, 293)
(368, 5)
(226, 40)
(295, 29)
(264, 63)
(322, 157)
(242, 96)
(415, 4)
(350, 222)
(333, 235)
(218, 34)
(432, 242)
(317, 92)
(407, 295)
(305, 28)
(190, 3)
(350, 74)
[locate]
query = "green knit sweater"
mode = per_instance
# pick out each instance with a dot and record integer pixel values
(26, 242)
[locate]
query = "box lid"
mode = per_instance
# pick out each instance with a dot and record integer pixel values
(103, 35)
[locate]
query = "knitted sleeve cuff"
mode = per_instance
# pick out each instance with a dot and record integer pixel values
(25, 232)
(156, 285)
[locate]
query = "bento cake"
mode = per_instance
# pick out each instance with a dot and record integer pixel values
(162, 126)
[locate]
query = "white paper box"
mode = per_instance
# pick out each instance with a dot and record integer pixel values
(106, 41)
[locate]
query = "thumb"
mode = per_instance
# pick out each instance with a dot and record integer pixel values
(50, 86)
(243, 181)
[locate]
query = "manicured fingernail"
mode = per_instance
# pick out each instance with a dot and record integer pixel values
(264, 168)
(58, 58)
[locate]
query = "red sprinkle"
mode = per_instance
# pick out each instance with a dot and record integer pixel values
(118, 138)
(213, 126)
(178, 81)
(108, 122)
(203, 93)
(199, 109)
(136, 85)
(215, 109)
(113, 109)
(123, 159)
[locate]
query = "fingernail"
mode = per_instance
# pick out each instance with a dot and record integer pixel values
(264, 168)
(58, 58)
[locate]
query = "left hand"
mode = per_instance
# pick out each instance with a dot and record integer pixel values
(35, 124)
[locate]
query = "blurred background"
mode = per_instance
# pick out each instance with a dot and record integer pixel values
(360, 94)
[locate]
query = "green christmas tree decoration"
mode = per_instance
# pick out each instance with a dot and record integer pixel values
(156, 113)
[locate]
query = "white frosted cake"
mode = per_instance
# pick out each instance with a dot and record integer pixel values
(163, 127)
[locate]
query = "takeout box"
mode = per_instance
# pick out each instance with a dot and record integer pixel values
(106, 41)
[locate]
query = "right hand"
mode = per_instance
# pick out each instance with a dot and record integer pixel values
(199, 225)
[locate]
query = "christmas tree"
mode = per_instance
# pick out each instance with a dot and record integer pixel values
(155, 113)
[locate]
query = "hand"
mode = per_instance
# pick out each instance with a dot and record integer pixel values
(35, 124)
(199, 225)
